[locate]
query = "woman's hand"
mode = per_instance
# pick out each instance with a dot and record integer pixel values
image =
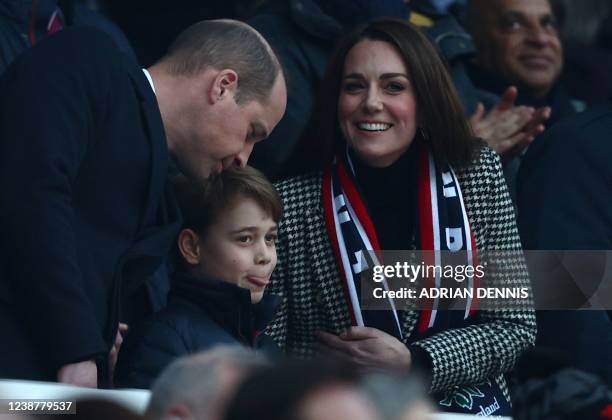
(368, 347)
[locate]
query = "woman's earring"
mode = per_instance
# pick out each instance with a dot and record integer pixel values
(423, 133)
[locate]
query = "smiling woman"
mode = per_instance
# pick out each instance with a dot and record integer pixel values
(388, 162)
(400, 75)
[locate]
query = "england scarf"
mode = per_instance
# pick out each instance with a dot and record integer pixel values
(443, 226)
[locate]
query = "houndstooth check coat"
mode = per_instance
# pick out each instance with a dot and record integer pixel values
(308, 279)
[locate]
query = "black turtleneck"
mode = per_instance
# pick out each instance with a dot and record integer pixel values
(391, 198)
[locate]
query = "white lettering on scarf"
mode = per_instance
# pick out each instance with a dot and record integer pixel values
(343, 215)
(447, 179)
(454, 239)
(361, 264)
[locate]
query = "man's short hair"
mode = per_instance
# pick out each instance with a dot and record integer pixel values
(201, 204)
(227, 44)
(196, 381)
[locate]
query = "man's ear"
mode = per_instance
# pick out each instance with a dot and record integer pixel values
(225, 85)
(178, 412)
(189, 246)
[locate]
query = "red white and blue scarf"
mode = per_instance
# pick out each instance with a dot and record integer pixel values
(443, 226)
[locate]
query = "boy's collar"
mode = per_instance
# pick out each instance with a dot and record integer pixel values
(225, 302)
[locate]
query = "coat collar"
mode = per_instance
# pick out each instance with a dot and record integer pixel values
(227, 304)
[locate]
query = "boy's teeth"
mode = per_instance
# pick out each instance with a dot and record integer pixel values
(373, 126)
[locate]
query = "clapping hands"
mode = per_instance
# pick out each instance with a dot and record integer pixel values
(507, 128)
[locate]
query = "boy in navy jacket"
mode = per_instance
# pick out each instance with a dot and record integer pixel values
(226, 254)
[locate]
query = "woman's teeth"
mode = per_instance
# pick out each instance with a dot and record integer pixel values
(373, 126)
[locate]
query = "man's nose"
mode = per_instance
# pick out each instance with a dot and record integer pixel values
(243, 157)
(537, 34)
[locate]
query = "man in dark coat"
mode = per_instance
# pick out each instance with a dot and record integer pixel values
(85, 139)
(565, 203)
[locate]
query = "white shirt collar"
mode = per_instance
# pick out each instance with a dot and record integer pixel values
(150, 79)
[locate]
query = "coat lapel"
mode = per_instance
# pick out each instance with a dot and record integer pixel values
(160, 220)
(157, 137)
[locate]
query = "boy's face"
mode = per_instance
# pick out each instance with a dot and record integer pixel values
(240, 247)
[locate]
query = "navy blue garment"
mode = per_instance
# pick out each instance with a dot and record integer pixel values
(23, 23)
(586, 73)
(565, 189)
(565, 203)
(202, 313)
(567, 394)
(87, 214)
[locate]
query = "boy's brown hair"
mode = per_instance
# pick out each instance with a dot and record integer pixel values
(201, 204)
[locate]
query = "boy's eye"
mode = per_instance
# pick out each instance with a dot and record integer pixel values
(271, 238)
(245, 239)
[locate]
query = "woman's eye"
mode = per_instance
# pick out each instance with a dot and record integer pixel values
(245, 239)
(395, 87)
(271, 238)
(351, 87)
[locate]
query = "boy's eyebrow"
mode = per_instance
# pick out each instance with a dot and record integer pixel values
(251, 229)
(246, 228)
